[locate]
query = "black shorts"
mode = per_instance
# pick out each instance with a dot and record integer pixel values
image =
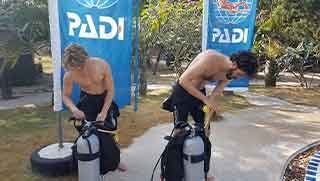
(92, 105)
(184, 104)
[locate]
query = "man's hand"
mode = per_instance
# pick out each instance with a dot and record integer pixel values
(79, 115)
(211, 103)
(101, 116)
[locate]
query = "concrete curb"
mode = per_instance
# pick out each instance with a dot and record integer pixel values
(296, 154)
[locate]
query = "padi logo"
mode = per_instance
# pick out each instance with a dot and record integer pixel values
(232, 11)
(225, 35)
(99, 4)
(108, 28)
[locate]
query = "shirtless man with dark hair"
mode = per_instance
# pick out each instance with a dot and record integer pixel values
(189, 94)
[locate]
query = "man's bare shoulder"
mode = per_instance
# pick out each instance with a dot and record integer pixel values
(100, 62)
(216, 59)
(214, 54)
(68, 77)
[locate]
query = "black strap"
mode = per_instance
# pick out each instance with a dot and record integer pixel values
(160, 158)
(194, 158)
(87, 157)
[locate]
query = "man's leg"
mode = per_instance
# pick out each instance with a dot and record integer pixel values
(181, 113)
(111, 126)
(198, 115)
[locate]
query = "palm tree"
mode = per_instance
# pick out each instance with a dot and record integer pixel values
(24, 26)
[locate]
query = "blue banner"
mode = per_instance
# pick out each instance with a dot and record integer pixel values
(104, 29)
(229, 27)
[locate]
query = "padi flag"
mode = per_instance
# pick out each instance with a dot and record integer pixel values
(104, 29)
(229, 27)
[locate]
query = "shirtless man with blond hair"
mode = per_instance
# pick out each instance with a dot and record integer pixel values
(94, 77)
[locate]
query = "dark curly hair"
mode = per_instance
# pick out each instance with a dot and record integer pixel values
(246, 61)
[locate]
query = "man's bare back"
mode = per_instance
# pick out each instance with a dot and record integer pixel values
(207, 66)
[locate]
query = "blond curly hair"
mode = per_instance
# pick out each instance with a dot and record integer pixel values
(74, 56)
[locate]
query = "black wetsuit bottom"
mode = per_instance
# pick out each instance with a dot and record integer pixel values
(92, 105)
(185, 104)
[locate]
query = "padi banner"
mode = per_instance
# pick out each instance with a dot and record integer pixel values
(104, 29)
(228, 26)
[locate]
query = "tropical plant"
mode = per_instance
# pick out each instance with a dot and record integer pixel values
(283, 24)
(181, 34)
(25, 27)
(294, 61)
(173, 27)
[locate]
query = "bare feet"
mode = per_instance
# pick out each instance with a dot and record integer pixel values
(176, 131)
(122, 167)
(211, 178)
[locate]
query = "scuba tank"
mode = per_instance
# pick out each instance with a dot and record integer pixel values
(193, 157)
(87, 153)
(197, 151)
(187, 155)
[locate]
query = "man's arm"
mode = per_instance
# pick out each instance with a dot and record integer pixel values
(67, 91)
(187, 85)
(218, 90)
(109, 87)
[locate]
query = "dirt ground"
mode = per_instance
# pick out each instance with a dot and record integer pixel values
(295, 95)
(301, 96)
(25, 129)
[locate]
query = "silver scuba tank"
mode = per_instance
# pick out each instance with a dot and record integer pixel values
(88, 155)
(193, 158)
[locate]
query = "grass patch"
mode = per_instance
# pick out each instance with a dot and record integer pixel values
(23, 130)
(295, 95)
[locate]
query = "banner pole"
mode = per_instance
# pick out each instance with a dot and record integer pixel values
(56, 59)
(60, 129)
(137, 62)
(205, 20)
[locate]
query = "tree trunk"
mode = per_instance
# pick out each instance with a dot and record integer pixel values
(24, 72)
(271, 74)
(156, 65)
(143, 80)
(6, 89)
